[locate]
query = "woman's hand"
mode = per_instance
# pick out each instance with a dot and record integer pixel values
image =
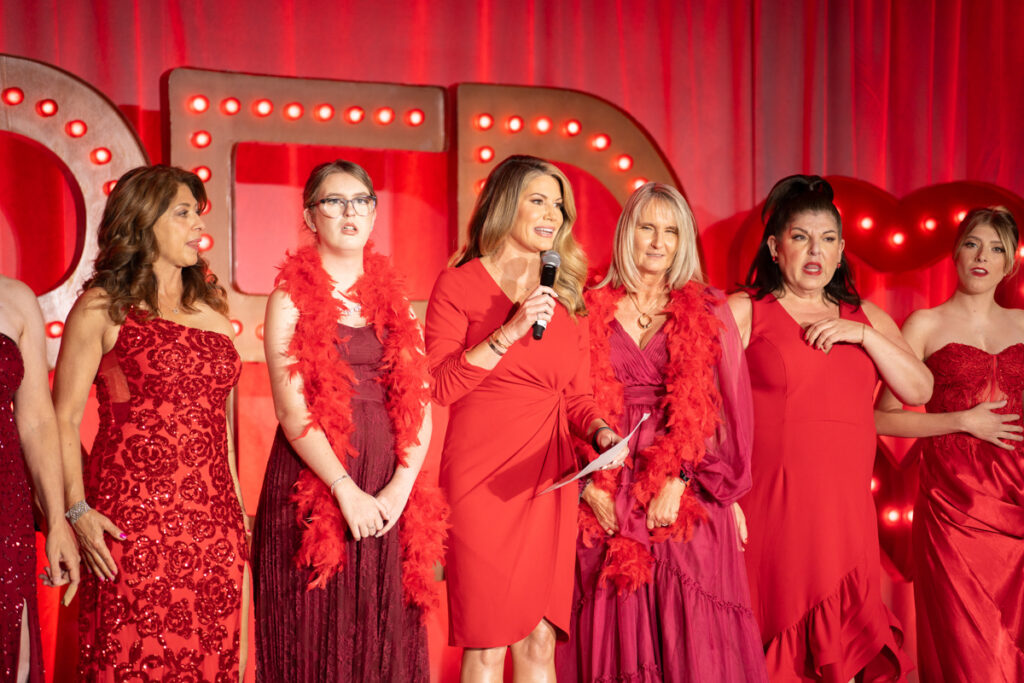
(663, 509)
(90, 528)
(741, 525)
(603, 505)
(982, 422)
(392, 499)
(363, 512)
(825, 333)
(540, 305)
(605, 438)
(62, 555)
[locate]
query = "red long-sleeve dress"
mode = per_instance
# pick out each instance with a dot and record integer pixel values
(510, 550)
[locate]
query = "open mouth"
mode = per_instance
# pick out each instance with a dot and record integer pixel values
(812, 268)
(349, 229)
(544, 232)
(193, 243)
(979, 272)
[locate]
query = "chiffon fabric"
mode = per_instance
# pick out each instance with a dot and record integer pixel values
(511, 548)
(159, 470)
(17, 533)
(357, 628)
(693, 621)
(969, 528)
(813, 557)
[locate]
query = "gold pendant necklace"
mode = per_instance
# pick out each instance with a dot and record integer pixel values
(644, 320)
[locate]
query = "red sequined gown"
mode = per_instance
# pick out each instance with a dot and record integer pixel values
(969, 528)
(17, 536)
(159, 470)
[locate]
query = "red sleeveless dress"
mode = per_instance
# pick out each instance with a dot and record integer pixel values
(17, 534)
(159, 470)
(813, 558)
(969, 528)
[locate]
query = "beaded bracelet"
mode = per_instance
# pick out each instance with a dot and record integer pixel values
(338, 481)
(76, 511)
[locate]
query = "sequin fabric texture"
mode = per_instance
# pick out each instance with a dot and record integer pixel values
(159, 470)
(17, 535)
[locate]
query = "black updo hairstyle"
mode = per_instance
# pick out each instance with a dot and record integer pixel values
(790, 197)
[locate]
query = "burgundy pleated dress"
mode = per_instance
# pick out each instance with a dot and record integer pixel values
(969, 528)
(692, 623)
(813, 556)
(358, 628)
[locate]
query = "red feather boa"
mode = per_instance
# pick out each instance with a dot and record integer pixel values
(692, 405)
(327, 387)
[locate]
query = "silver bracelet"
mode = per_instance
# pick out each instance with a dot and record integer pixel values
(76, 511)
(338, 481)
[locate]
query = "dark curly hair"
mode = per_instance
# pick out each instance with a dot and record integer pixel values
(128, 248)
(790, 197)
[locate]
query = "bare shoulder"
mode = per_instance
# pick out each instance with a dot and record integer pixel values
(876, 314)
(1016, 318)
(924, 321)
(92, 308)
(17, 292)
(741, 305)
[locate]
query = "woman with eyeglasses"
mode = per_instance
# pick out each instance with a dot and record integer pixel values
(969, 514)
(346, 538)
(514, 400)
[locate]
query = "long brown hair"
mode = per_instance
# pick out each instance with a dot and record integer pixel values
(128, 248)
(495, 213)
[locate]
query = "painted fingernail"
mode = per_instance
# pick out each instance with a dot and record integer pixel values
(123, 536)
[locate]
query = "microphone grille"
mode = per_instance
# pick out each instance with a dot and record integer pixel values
(550, 258)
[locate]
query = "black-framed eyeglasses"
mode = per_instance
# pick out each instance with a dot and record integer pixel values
(336, 207)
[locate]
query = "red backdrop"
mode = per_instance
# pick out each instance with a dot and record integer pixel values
(901, 94)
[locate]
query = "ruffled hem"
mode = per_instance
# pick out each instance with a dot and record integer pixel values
(672, 629)
(645, 674)
(839, 637)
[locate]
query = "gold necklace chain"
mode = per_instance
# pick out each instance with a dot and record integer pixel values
(644, 320)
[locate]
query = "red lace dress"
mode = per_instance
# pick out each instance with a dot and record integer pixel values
(159, 470)
(969, 528)
(17, 536)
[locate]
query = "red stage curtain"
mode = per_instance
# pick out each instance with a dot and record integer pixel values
(900, 93)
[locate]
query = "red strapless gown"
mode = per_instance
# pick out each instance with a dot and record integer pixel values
(813, 557)
(969, 528)
(17, 535)
(159, 470)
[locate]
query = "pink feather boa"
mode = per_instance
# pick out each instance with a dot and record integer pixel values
(327, 387)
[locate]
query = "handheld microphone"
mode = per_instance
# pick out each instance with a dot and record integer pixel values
(550, 260)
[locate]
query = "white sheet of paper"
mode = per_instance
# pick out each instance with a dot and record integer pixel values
(600, 461)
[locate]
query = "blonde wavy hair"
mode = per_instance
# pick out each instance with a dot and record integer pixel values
(999, 219)
(495, 214)
(685, 264)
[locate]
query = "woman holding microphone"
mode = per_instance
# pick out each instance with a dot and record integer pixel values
(514, 400)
